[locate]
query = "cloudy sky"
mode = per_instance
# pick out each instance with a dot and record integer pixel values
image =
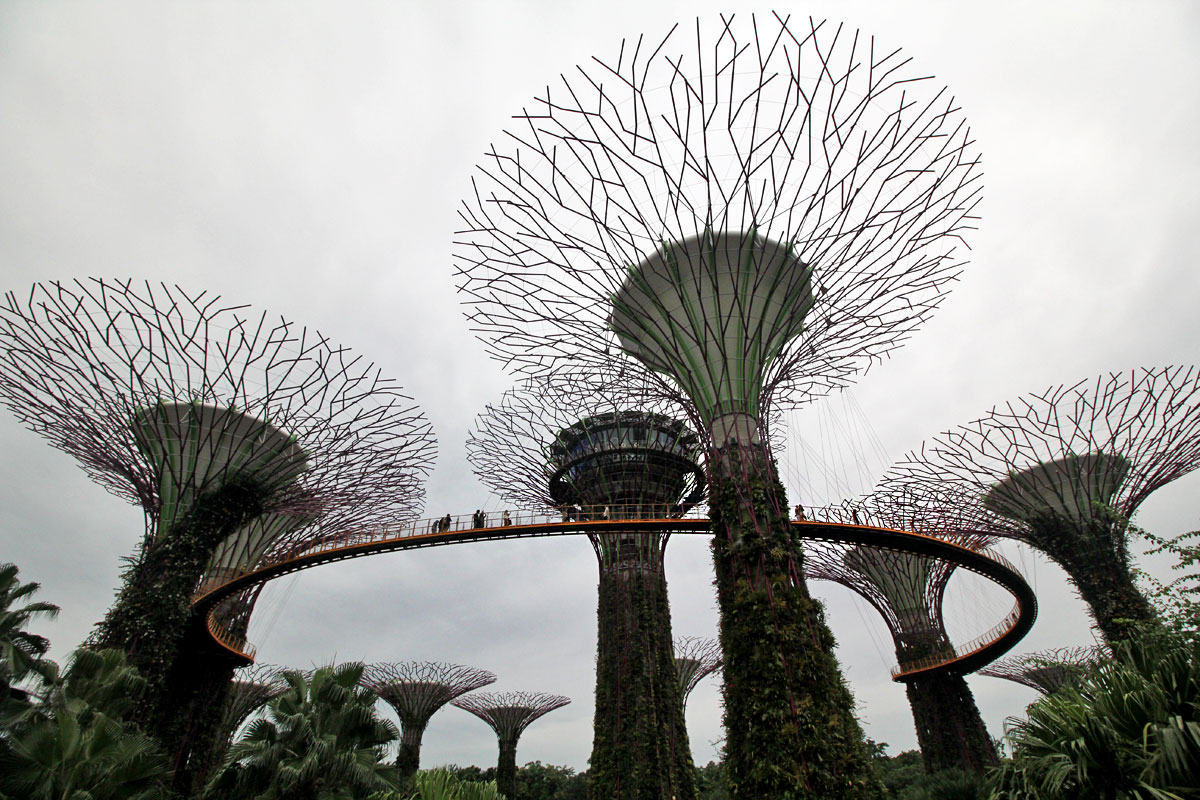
(308, 158)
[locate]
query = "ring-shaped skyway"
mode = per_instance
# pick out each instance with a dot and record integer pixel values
(965, 658)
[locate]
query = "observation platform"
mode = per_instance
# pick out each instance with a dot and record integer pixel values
(966, 657)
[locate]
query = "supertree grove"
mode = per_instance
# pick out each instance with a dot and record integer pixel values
(747, 218)
(695, 659)
(416, 690)
(1046, 670)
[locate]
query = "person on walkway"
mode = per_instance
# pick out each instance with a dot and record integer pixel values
(505, 519)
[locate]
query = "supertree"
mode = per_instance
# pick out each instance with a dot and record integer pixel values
(230, 429)
(1064, 470)
(583, 452)
(416, 690)
(908, 591)
(695, 659)
(747, 218)
(253, 687)
(509, 714)
(1046, 670)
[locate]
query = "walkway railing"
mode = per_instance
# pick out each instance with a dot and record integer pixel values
(959, 652)
(451, 523)
(526, 521)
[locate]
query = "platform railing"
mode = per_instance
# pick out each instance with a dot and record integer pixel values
(961, 651)
(233, 642)
(449, 523)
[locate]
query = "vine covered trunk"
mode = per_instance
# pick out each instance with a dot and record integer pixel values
(152, 618)
(198, 687)
(790, 728)
(950, 730)
(1095, 555)
(408, 756)
(506, 768)
(640, 749)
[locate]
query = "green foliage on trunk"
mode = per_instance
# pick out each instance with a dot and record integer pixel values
(1094, 552)
(152, 618)
(640, 749)
(790, 728)
(950, 730)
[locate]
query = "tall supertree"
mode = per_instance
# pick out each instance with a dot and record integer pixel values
(908, 590)
(695, 659)
(585, 454)
(252, 688)
(416, 690)
(1064, 470)
(1047, 670)
(509, 714)
(747, 217)
(229, 428)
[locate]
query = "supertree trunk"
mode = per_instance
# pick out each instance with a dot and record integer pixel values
(506, 769)
(408, 757)
(1094, 553)
(640, 750)
(789, 719)
(950, 731)
(152, 616)
(199, 685)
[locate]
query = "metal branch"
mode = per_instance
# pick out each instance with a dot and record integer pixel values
(117, 374)
(1046, 670)
(864, 170)
(510, 713)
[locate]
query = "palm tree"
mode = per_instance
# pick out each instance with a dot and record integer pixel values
(1129, 729)
(321, 739)
(74, 743)
(21, 652)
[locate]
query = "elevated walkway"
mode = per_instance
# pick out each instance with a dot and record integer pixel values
(965, 658)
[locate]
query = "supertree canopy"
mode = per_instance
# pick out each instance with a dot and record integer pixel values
(1064, 470)
(509, 714)
(416, 690)
(1047, 670)
(907, 590)
(748, 216)
(581, 452)
(229, 428)
(695, 659)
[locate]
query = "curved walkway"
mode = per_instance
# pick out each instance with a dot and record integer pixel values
(429, 533)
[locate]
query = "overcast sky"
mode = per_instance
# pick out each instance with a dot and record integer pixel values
(308, 158)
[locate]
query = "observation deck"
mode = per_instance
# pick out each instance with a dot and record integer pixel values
(964, 658)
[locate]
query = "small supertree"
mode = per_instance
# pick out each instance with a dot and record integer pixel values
(695, 659)
(252, 688)
(509, 714)
(907, 590)
(416, 690)
(1064, 470)
(581, 452)
(1046, 670)
(747, 216)
(220, 423)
